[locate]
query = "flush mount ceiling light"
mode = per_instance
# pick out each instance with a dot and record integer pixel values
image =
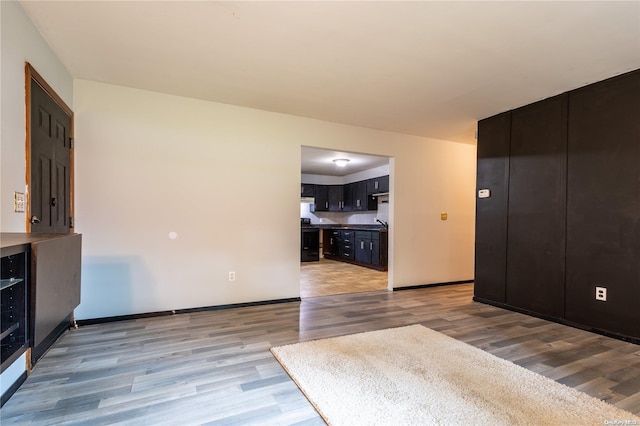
(341, 162)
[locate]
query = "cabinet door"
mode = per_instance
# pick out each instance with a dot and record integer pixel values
(378, 185)
(536, 215)
(375, 249)
(335, 198)
(307, 190)
(348, 197)
(491, 212)
(321, 198)
(363, 246)
(360, 199)
(603, 205)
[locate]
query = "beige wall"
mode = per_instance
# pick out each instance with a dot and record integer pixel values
(226, 180)
(21, 42)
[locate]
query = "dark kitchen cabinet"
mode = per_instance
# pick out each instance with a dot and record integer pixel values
(360, 197)
(321, 203)
(364, 248)
(336, 198)
(347, 196)
(347, 244)
(379, 185)
(307, 190)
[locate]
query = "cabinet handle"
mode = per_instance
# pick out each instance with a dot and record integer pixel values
(376, 185)
(371, 246)
(331, 239)
(361, 245)
(326, 203)
(357, 203)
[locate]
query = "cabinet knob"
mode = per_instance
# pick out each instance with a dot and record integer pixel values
(35, 220)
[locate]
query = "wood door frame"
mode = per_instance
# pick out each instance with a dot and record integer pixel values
(32, 74)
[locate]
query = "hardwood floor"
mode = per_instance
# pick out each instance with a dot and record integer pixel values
(328, 277)
(215, 367)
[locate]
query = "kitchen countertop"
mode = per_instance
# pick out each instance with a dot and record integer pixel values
(354, 227)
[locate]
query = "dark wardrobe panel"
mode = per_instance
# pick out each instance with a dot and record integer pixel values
(536, 211)
(603, 205)
(491, 212)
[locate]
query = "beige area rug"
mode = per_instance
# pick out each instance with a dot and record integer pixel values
(416, 376)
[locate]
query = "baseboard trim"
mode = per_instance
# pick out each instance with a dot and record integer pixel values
(630, 339)
(103, 320)
(414, 287)
(13, 388)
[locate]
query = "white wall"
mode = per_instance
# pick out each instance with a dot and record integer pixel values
(21, 42)
(226, 180)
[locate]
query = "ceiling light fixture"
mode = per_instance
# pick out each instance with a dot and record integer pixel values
(341, 162)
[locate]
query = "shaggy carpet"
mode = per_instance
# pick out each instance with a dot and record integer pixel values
(417, 376)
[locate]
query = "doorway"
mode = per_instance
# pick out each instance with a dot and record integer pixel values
(49, 152)
(352, 226)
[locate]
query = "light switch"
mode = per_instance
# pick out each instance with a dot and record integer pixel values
(484, 193)
(18, 202)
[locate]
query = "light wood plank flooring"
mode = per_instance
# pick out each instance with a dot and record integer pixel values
(215, 367)
(328, 277)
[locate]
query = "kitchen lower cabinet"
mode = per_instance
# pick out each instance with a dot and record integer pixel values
(364, 248)
(14, 330)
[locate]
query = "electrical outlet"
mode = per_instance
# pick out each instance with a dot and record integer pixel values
(18, 202)
(601, 293)
(232, 276)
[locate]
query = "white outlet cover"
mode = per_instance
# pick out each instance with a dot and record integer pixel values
(484, 193)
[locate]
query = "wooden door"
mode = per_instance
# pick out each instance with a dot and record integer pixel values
(50, 152)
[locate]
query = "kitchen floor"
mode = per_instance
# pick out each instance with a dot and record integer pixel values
(328, 277)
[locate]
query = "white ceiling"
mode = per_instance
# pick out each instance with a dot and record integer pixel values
(419, 67)
(318, 161)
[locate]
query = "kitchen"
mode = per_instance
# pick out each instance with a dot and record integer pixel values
(344, 211)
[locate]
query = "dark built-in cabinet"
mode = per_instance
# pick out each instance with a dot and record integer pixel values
(364, 248)
(562, 212)
(356, 196)
(40, 288)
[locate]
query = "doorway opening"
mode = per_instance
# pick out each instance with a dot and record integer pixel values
(345, 213)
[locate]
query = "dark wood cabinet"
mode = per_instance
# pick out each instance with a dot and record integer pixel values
(336, 198)
(379, 185)
(360, 197)
(40, 290)
(321, 195)
(307, 190)
(348, 197)
(364, 248)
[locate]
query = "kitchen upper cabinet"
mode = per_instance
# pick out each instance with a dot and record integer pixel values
(307, 190)
(348, 197)
(378, 185)
(336, 198)
(360, 197)
(321, 198)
